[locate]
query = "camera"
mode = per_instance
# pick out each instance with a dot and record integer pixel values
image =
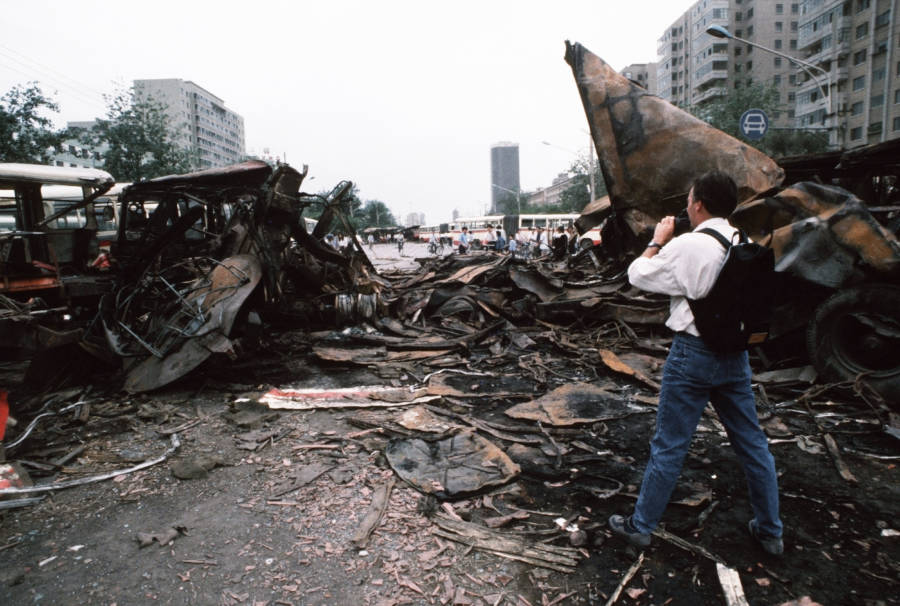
(682, 223)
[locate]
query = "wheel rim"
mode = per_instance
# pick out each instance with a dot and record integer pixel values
(867, 342)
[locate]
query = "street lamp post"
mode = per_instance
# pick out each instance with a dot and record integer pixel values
(518, 195)
(718, 31)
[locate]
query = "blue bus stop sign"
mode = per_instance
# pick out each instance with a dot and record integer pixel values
(754, 124)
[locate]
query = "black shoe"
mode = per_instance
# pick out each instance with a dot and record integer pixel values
(771, 545)
(623, 527)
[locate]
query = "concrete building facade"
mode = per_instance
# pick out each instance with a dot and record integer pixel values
(504, 172)
(696, 68)
(74, 153)
(414, 219)
(200, 122)
(642, 73)
(851, 88)
(552, 195)
(854, 44)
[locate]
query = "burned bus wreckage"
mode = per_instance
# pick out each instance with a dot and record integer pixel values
(197, 259)
(837, 263)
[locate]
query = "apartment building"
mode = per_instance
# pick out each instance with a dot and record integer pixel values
(852, 45)
(696, 67)
(552, 195)
(200, 122)
(847, 81)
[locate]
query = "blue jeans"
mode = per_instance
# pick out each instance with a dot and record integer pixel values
(694, 375)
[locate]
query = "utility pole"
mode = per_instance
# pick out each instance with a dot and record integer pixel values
(592, 167)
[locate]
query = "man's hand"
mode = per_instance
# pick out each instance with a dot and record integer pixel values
(664, 230)
(662, 233)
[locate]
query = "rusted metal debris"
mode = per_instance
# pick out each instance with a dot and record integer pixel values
(826, 239)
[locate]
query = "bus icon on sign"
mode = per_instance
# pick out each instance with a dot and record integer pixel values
(754, 123)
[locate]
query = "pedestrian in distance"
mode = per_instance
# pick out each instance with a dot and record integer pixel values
(464, 240)
(400, 242)
(572, 239)
(560, 244)
(686, 268)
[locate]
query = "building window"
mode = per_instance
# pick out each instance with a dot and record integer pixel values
(792, 78)
(856, 109)
(795, 8)
(738, 16)
(791, 97)
(859, 83)
(794, 44)
(779, 9)
(862, 5)
(738, 33)
(749, 66)
(737, 52)
(777, 79)
(897, 96)
(896, 125)
(777, 61)
(877, 101)
(750, 32)
(856, 133)
(779, 26)
(778, 44)
(883, 19)
(875, 128)
(859, 57)
(790, 113)
(794, 26)
(750, 13)
(862, 30)
(878, 74)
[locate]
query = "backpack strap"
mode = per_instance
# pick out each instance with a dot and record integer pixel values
(722, 239)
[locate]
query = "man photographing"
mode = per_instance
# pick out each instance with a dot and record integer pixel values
(686, 267)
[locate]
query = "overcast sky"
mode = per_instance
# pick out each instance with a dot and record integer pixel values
(404, 98)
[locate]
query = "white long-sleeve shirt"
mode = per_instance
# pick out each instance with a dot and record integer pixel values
(685, 268)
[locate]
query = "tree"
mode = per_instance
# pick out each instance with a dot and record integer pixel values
(375, 213)
(724, 113)
(26, 133)
(578, 194)
(141, 145)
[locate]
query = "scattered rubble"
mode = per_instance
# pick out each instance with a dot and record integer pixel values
(513, 397)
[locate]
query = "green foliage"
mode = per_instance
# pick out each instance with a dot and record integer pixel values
(578, 194)
(375, 213)
(725, 113)
(572, 200)
(140, 143)
(26, 133)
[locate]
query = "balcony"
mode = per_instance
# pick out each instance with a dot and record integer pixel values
(710, 93)
(710, 76)
(807, 37)
(806, 108)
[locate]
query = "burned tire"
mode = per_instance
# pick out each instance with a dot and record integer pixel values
(858, 331)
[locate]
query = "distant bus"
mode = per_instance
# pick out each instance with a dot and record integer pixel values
(510, 224)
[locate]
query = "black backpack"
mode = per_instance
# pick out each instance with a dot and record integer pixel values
(738, 310)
